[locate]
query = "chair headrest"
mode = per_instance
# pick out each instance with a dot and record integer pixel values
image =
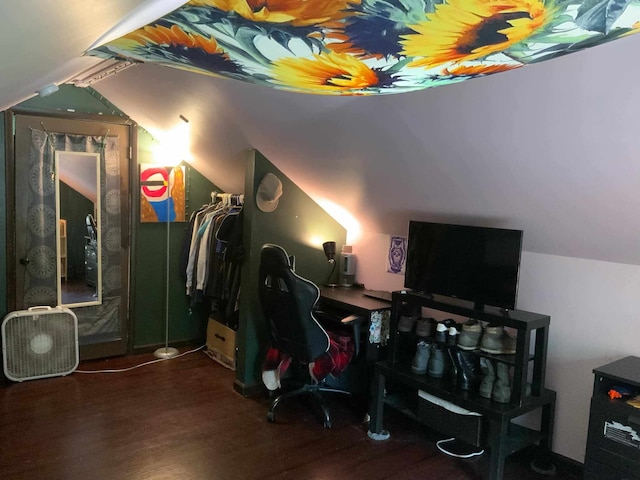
(275, 255)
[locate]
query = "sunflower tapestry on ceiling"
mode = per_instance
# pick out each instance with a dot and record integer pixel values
(365, 47)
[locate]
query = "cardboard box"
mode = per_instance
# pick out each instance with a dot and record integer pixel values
(221, 344)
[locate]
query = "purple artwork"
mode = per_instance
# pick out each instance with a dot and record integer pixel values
(397, 255)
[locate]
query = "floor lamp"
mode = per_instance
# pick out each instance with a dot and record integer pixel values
(167, 351)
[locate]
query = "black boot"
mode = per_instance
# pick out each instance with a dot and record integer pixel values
(469, 371)
(486, 385)
(454, 365)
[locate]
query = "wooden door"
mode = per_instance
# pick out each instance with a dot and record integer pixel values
(34, 192)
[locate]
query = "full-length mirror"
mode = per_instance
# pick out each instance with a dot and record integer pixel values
(78, 228)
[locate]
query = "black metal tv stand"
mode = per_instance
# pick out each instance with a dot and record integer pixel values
(494, 429)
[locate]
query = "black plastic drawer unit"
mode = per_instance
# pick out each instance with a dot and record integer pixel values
(601, 471)
(613, 443)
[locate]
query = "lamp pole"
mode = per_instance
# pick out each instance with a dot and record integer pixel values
(167, 351)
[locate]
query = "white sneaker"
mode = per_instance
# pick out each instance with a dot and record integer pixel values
(271, 379)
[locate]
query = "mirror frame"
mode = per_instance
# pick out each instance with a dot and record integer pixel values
(98, 208)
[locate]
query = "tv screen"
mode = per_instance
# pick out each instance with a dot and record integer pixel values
(477, 264)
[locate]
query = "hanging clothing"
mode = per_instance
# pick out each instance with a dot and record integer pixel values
(211, 261)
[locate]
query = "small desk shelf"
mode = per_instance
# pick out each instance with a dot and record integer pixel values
(353, 301)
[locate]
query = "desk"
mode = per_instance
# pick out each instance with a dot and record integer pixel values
(353, 301)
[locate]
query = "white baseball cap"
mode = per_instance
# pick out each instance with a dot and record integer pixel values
(269, 193)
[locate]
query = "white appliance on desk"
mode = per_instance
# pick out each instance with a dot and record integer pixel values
(347, 266)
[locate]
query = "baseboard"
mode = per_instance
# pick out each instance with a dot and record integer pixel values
(567, 465)
(245, 390)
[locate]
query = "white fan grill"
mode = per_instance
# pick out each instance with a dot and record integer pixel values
(39, 342)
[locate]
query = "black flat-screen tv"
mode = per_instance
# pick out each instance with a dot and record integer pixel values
(477, 264)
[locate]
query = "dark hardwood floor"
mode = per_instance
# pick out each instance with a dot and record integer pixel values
(181, 419)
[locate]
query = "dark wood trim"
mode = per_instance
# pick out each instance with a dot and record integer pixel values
(101, 350)
(127, 186)
(132, 208)
(82, 123)
(562, 465)
(245, 390)
(567, 465)
(81, 116)
(10, 186)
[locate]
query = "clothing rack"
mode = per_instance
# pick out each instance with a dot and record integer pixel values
(212, 255)
(228, 198)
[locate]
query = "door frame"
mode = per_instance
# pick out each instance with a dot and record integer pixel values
(88, 351)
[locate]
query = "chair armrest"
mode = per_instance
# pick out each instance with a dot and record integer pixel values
(337, 318)
(353, 322)
(352, 319)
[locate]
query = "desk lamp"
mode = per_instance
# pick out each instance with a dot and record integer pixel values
(330, 252)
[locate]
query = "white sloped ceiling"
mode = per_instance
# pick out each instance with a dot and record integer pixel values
(43, 41)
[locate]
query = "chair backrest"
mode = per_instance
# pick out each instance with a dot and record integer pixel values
(287, 302)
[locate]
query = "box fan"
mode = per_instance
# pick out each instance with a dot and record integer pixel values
(39, 342)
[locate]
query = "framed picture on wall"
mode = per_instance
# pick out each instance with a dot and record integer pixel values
(162, 193)
(397, 256)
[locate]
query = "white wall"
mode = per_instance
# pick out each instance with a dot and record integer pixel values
(371, 253)
(594, 320)
(594, 309)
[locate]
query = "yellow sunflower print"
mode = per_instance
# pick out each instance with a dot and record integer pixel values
(477, 69)
(635, 28)
(159, 35)
(461, 30)
(296, 12)
(325, 73)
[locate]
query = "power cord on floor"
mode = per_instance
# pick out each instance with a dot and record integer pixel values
(119, 370)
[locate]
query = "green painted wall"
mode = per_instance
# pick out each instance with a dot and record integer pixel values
(296, 225)
(70, 99)
(149, 265)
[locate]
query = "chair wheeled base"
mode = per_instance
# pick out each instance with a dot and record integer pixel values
(313, 391)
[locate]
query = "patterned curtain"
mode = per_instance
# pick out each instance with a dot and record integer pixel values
(40, 236)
